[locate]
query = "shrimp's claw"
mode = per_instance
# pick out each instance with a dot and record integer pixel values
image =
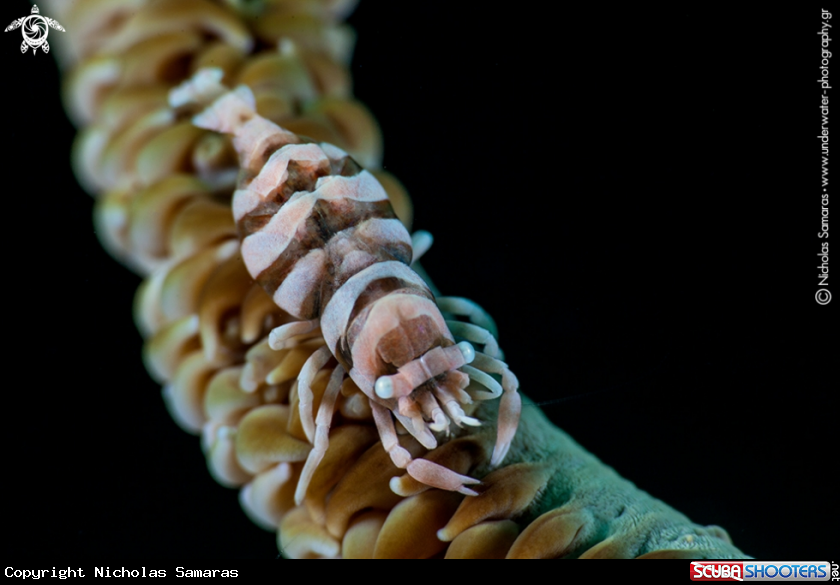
(438, 476)
(423, 470)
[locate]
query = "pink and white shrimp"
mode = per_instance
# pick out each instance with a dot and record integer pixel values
(320, 236)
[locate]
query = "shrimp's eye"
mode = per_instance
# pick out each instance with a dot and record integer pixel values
(467, 350)
(384, 387)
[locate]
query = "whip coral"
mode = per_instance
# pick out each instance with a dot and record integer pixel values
(484, 246)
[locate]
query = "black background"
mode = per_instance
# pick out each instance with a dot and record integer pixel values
(632, 194)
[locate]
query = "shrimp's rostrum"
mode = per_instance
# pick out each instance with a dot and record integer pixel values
(319, 235)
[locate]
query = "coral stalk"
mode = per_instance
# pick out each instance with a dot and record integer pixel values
(166, 212)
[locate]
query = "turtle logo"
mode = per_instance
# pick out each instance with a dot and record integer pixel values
(35, 30)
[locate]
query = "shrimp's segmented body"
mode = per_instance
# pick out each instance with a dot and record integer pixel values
(319, 235)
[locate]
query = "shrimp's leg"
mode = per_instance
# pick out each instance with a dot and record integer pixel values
(307, 374)
(322, 433)
(280, 336)
(462, 307)
(421, 241)
(510, 407)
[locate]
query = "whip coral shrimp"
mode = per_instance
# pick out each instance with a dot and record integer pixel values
(319, 235)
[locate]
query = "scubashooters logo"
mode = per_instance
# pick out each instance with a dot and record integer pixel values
(762, 571)
(35, 29)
